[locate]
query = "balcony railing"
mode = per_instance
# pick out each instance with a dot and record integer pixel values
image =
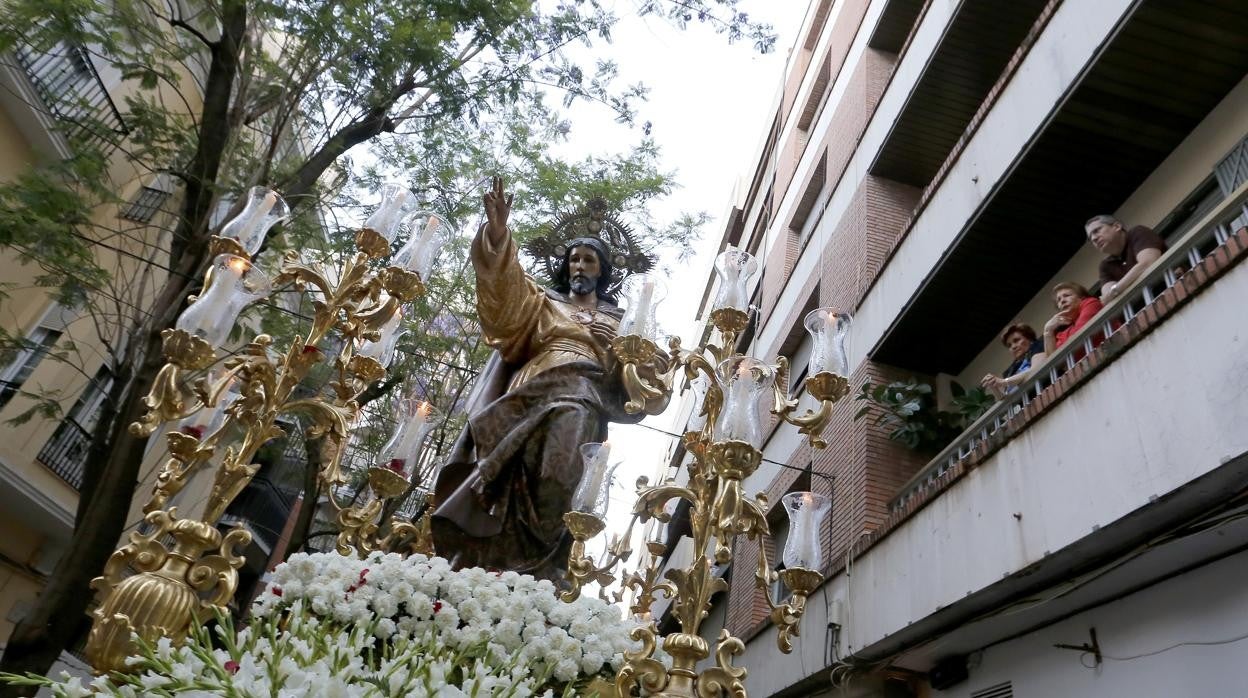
(66, 452)
(1199, 241)
(67, 82)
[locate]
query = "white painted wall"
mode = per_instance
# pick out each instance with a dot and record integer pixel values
(1209, 604)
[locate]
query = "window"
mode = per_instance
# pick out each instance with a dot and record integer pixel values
(803, 223)
(1231, 174)
(1232, 171)
(38, 345)
(66, 452)
(145, 205)
(87, 409)
(818, 95)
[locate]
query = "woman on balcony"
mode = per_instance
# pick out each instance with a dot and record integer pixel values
(1024, 345)
(1076, 306)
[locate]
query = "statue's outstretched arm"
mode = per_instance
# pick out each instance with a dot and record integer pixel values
(508, 301)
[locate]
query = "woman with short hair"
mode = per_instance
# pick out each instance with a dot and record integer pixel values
(1023, 344)
(1076, 306)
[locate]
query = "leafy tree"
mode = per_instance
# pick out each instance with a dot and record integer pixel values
(224, 94)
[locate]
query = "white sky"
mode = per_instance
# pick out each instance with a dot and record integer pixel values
(710, 102)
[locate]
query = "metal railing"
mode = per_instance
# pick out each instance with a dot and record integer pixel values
(66, 452)
(1200, 240)
(69, 85)
(413, 505)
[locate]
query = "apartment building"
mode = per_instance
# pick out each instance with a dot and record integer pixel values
(930, 169)
(55, 101)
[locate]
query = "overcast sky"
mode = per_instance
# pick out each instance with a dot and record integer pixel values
(709, 104)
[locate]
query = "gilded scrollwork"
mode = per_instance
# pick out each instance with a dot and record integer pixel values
(166, 589)
(827, 388)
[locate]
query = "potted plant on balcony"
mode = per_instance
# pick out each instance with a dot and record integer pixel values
(908, 410)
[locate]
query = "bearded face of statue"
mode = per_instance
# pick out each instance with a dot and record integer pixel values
(584, 270)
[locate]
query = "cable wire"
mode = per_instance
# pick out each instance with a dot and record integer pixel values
(804, 469)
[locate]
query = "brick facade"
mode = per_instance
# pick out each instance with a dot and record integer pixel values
(868, 468)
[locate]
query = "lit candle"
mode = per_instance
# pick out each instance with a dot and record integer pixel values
(409, 440)
(253, 221)
(739, 425)
(807, 534)
(386, 216)
(732, 277)
(643, 307)
(426, 235)
(586, 494)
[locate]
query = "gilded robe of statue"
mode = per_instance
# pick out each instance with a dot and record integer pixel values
(550, 387)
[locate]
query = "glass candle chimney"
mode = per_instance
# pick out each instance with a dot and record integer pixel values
(383, 349)
(206, 421)
(263, 209)
(430, 233)
(828, 330)
(699, 386)
(592, 493)
(397, 202)
(807, 511)
(402, 452)
(735, 269)
(641, 293)
(235, 284)
(745, 381)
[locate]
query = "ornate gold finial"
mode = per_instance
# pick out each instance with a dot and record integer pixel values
(170, 587)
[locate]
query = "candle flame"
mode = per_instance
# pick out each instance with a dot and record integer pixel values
(238, 265)
(424, 409)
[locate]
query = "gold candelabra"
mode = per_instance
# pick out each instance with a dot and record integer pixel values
(725, 452)
(151, 589)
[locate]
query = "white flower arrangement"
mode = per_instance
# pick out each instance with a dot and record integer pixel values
(332, 626)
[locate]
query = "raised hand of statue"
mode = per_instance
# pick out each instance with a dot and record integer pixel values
(497, 209)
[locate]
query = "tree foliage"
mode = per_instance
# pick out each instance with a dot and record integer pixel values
(215, 96)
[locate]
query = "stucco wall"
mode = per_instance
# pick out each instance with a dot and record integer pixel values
(1209, 604)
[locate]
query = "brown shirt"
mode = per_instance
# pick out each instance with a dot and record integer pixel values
(1138, 238)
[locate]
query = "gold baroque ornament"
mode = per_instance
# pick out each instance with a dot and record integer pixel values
(170, 587)
(402, 284)
(718, 513)
(168, 398)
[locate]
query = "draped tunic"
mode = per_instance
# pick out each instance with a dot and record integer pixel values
(500, 498)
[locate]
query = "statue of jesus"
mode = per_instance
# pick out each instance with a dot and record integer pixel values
(551, 387)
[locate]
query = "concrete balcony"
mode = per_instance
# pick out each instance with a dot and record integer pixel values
(1121, 465)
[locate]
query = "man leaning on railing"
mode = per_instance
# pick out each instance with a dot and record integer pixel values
(1127, 252)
